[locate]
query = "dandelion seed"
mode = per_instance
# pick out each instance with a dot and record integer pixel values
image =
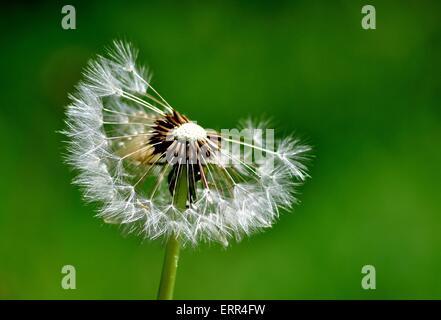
(160, 174)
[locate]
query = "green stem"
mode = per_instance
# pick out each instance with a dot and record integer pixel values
(171, 258)
(168, 277)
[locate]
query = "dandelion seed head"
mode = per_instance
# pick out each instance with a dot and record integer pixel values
(132, 149)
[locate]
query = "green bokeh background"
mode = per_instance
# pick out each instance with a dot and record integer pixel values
(368, 101)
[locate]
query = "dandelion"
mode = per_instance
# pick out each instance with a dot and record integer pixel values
(159, 174)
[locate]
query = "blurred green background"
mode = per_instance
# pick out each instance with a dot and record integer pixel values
(369, 102)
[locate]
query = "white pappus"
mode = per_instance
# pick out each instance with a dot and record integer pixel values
(131, 149)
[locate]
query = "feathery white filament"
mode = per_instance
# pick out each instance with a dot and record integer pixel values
(110, 122)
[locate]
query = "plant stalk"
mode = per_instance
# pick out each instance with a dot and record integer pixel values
(171, 258)
(169, 268)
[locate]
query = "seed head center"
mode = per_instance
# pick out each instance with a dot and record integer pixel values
(189, 131)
